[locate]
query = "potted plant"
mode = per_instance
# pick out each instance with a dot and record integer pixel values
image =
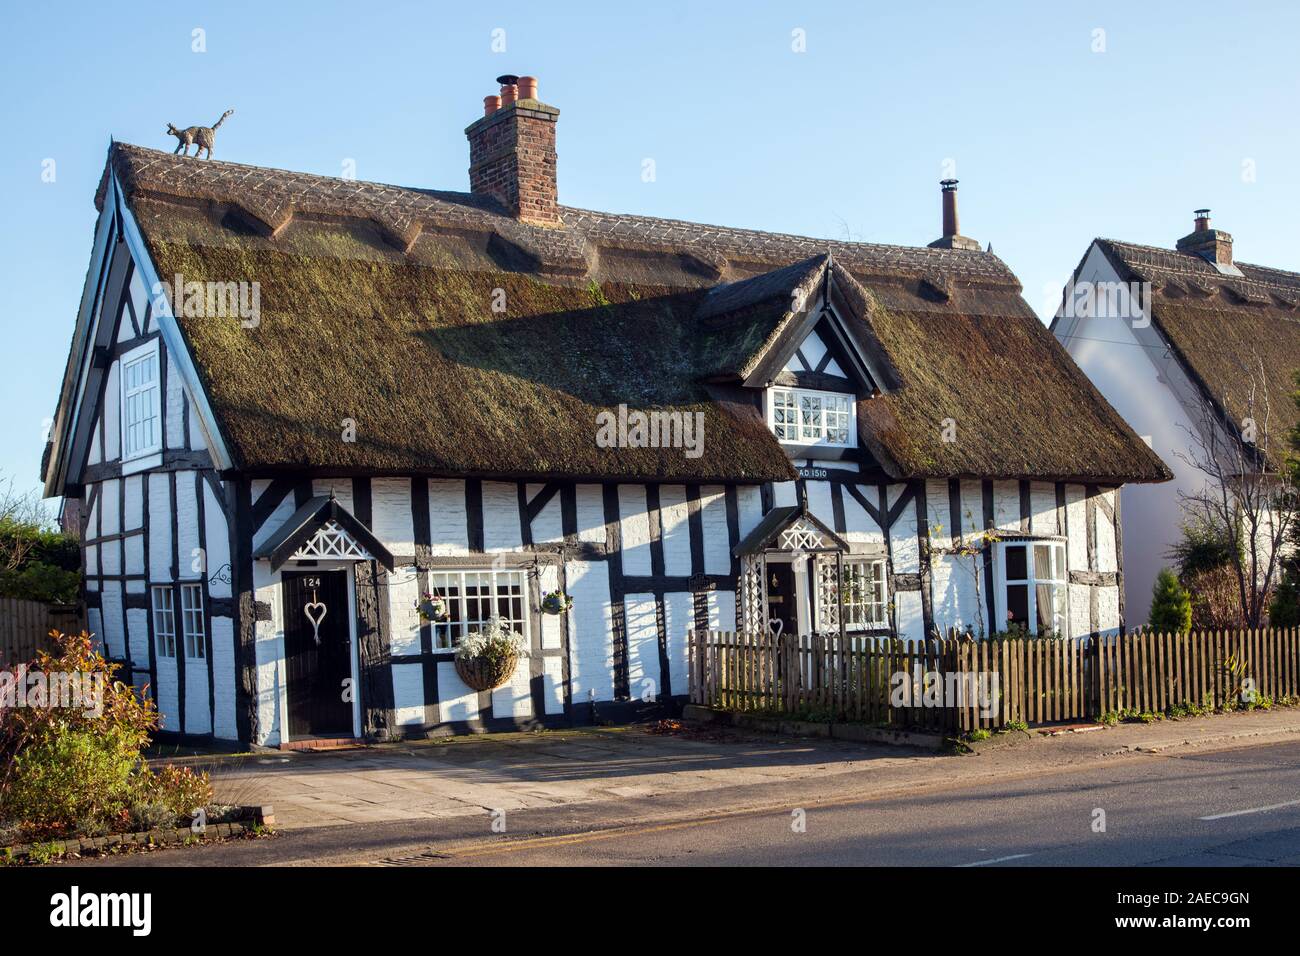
(486, 659)
(556, 602)
(432, 607)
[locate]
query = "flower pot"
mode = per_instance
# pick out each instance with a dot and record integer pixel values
(481, 673)
(557, 602)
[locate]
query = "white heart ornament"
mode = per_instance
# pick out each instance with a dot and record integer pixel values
(321, 610)
(774, 624)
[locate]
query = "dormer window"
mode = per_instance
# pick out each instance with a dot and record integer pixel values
(801, 416)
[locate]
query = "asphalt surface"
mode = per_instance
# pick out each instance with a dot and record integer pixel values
(1204, 809)
(1230, 807)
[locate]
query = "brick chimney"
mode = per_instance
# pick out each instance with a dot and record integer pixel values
(1213, 245)
(952, 237)
(512, 152)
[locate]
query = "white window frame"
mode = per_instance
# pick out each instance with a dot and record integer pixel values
(451, 584)
(876, 565)
(151, 392)
(1060, 578)
(164, 620)
(192, 625)
(798, 394)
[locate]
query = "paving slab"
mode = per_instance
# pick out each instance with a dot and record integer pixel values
(422, 779)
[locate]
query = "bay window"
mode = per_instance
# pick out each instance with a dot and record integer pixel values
(1032, 586)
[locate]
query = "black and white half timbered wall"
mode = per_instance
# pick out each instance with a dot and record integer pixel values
(263, 578)
(155, 532)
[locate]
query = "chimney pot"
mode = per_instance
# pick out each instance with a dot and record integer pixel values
(527, 87)
(491, 104)
(509, 88)
(1202, 220)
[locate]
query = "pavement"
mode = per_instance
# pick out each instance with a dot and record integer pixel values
(626, 795)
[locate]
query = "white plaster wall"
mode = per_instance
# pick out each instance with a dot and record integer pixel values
(634, 523)
(713, 520)
(674, 530)
(391, 521)
(548, 526)
(403, 616)
(223, 678)
(448, 521)
(591, 641)
(1144, 386)
(644, 680)
(679, 621)
(501, 521)
(408, 694)
(591, 513)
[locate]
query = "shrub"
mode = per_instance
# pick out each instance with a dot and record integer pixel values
(63, 775)
(1284, 609)
(76, 769)
(150, 816)
(179, 789)
(1171, 606)
(1216, 599)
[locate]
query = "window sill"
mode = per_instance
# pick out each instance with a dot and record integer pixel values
(142, 462)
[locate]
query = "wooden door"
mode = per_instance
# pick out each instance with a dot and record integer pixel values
(782, 597)
(318, 653)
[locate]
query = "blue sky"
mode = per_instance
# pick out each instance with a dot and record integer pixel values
(1055, 142)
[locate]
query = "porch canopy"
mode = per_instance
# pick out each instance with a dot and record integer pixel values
(323, 530)
(792, 531)
(791, 528)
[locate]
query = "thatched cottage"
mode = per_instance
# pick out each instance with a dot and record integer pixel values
(295, 404)
(1199, 353)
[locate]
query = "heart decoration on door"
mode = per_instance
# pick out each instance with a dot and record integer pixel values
(315, 611)
(775, 625)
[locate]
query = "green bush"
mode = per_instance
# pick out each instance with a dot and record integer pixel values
(48, 563)
(179, 789)
(64, 770)
(1171, 605)
(66, 775)
(150, 816)
(1284, 608)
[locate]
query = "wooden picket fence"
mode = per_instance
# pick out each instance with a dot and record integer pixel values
(958, 685)
(25, 627)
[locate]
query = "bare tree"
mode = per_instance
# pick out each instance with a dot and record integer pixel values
(1249, 491)
(21, 515)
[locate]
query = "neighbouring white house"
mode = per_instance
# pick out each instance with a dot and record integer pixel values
(295, 404)
(1178, 340)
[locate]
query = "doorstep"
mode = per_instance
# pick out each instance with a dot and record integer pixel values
(323, 743)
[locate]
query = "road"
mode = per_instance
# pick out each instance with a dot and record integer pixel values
(1236, 807)
(1196, 807)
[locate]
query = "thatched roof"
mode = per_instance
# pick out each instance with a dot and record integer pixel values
(377, 305)
(1230, 333)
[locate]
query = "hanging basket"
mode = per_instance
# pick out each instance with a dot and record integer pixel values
(482, 673)
(556, 602)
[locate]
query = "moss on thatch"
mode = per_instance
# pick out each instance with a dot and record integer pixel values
(408, 346)
(436, 381)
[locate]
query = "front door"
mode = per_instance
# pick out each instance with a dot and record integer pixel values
(782, 604)
(318, 653)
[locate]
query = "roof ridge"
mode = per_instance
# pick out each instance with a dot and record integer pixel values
(1190, 259)
(273, 195)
